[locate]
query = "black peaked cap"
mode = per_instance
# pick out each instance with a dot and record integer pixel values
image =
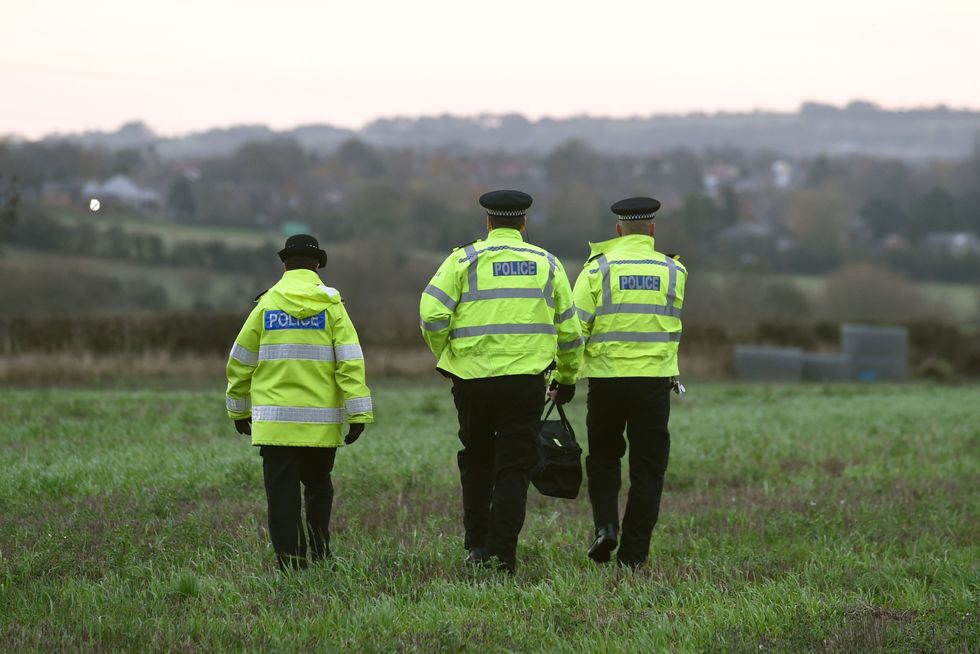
(303, 245)
(506, 203)
(636, 208)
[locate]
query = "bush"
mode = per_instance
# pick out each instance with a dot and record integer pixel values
(867, 293)
(938, 370)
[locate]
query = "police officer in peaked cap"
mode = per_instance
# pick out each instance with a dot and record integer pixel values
(295, 376)
(628, 300)
(497, 313)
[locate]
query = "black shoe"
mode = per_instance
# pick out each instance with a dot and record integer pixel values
(603, 545)
(477, 557)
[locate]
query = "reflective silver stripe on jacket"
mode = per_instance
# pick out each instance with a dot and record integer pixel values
(348, 352)
(571, 345)
(549, 287)
(636, 337)
(436, 326)
(606, 283)
(440, 295)
(503, 293)
(297, 414)
(627, 307)
(607, 298)
(464, 332)
(296, 352)
(234, 404)
(584, 315)
(671, 282)
(498, 248)
(244, 356)
(472, 255)
(566, 314)
(359, 405)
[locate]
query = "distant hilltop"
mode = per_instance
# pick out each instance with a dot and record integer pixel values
(857, 128)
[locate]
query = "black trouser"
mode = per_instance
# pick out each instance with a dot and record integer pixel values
(641, 406)
(498, 418)
(285, 468)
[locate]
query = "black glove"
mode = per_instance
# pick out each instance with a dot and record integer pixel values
(244, 426)
(355, 431)
(565, 393)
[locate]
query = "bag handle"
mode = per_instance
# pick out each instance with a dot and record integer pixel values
(561, 414)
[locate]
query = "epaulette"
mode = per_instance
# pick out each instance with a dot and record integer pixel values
(460, 247)
(259, 296)
(675, 257)
(593, 258)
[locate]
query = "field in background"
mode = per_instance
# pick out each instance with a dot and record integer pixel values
(188, 287)
(795, 519)
(185, 287)
(170, 231)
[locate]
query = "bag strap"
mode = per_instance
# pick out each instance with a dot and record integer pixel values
(561, 414)
(564, 418)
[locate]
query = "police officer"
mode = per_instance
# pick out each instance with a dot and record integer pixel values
(295, 375)
(628, 300)
(497, 314)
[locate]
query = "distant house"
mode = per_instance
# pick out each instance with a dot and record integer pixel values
(59, 194)
(783, 174)
(123, 192)
(955, 244)
(718, 175)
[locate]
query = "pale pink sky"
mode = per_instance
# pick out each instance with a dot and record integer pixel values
(184, 65)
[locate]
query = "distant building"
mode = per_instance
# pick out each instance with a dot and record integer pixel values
(954, 244)
(783, 174)
(123, 192)
(717, 176)
(59, 194)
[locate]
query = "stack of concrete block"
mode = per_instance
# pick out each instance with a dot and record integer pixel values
(868, 354)
(820, 367)
(768, 364)
(876, 353)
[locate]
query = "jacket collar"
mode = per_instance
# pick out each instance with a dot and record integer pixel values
(505, 234)
(630, 240)
(302, 275)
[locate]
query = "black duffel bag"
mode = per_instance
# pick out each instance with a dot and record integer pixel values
(558, 472)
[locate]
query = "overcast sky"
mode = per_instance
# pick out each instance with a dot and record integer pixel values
(184, 65)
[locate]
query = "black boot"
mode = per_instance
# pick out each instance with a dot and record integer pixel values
(605, 542)
(290, 563)
(477, 557)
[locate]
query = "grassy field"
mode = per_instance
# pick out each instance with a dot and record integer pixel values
(172, 232)
(185, 286)
(795, 519)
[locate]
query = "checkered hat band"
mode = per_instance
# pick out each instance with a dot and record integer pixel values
(638, 216)
(497, 212)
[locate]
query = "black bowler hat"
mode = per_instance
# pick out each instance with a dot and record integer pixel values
(505, 203)
(636, 208)
(303, 245)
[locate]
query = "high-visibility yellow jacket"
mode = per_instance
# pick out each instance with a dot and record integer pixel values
(628, 300)
(500, 306)
(297, 368)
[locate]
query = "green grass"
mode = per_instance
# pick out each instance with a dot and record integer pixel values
(795, 519)
(172, 232)
(960, 302)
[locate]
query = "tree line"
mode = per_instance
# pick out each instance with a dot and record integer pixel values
(725, 208)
